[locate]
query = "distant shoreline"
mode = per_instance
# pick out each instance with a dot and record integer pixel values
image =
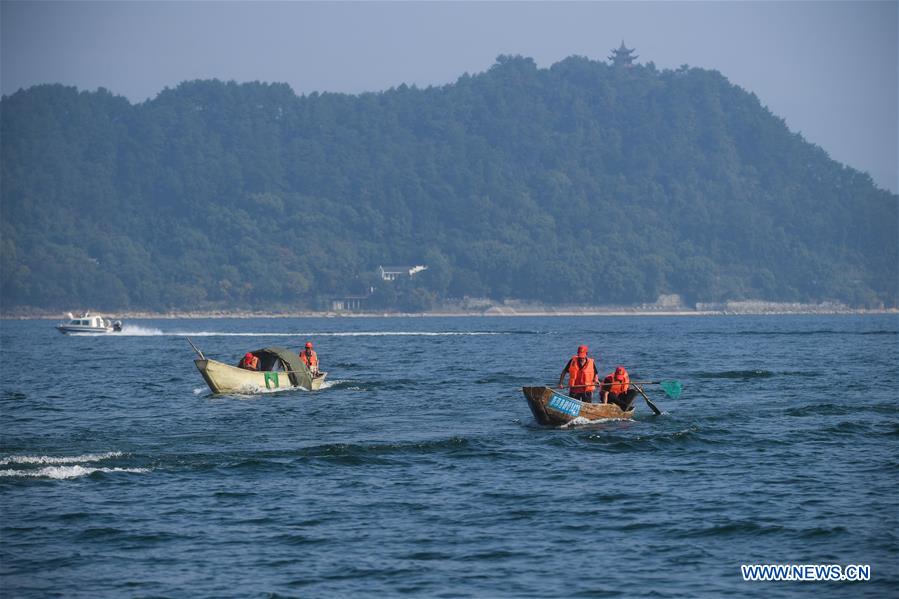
(490, 313)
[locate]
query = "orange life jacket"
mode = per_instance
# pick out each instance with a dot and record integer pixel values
(311, 360)
(616, 384)
(580, 379)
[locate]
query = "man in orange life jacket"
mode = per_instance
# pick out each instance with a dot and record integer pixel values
(582, 376)
(310, 358)
(616, 388)
(249, 362)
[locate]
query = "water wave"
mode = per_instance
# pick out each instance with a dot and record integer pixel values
(815, 532)
(736, 374)
(505, 379)
(394, 384)
(355, 453)
(347, 385)
(788, 333)
(806, 374)
(44, 459)
(62, 467)
(618, 442)
(739, 528)
(66, 472)
(821, 409)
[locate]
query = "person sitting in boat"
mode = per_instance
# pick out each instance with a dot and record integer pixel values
(616, 389)
(582, 376)
(249, 362)
(310, 358)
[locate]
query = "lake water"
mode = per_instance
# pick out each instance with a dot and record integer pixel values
(419, 470)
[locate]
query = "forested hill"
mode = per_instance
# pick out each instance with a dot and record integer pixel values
(578, 183)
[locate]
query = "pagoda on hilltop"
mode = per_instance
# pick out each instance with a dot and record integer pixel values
(623, 56)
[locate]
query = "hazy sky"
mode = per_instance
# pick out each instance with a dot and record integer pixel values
(828, 68)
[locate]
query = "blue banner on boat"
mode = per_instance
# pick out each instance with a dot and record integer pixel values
(565, 405)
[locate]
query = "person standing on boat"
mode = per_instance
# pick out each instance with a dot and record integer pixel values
(583, 376)
(249, 362)
(616, 389)
(310, 358)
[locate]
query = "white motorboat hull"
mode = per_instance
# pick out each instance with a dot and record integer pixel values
(65, 329)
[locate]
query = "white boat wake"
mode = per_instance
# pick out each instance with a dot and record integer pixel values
(139, 331)
(132, 330)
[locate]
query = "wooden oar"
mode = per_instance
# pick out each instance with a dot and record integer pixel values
(581, 386)
(672, 389)
(199, 353)
(651, 405)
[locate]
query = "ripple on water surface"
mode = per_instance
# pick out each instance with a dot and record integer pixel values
(420, 469)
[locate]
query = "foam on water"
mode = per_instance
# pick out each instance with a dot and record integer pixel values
(255, 390)
(580, 421)
(132, 330)
(44, 459)
(59, 468)
(248, 391)
(66, 472)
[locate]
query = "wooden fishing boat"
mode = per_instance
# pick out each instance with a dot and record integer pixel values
(279, 368)
(551, 407)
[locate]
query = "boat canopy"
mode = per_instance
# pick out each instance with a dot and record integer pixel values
(269, 358)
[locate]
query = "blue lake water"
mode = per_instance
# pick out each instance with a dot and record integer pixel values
(420, 470)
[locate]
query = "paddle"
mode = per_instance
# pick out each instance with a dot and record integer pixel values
(651, 405)
(672, 389)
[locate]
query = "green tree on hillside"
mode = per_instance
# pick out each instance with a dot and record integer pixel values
(580, 183)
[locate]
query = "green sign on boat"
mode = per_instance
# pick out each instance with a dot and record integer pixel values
(271, 377)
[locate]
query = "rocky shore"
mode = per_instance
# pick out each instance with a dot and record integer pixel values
(508, 308)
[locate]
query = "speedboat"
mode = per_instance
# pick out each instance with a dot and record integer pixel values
(87, 323)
